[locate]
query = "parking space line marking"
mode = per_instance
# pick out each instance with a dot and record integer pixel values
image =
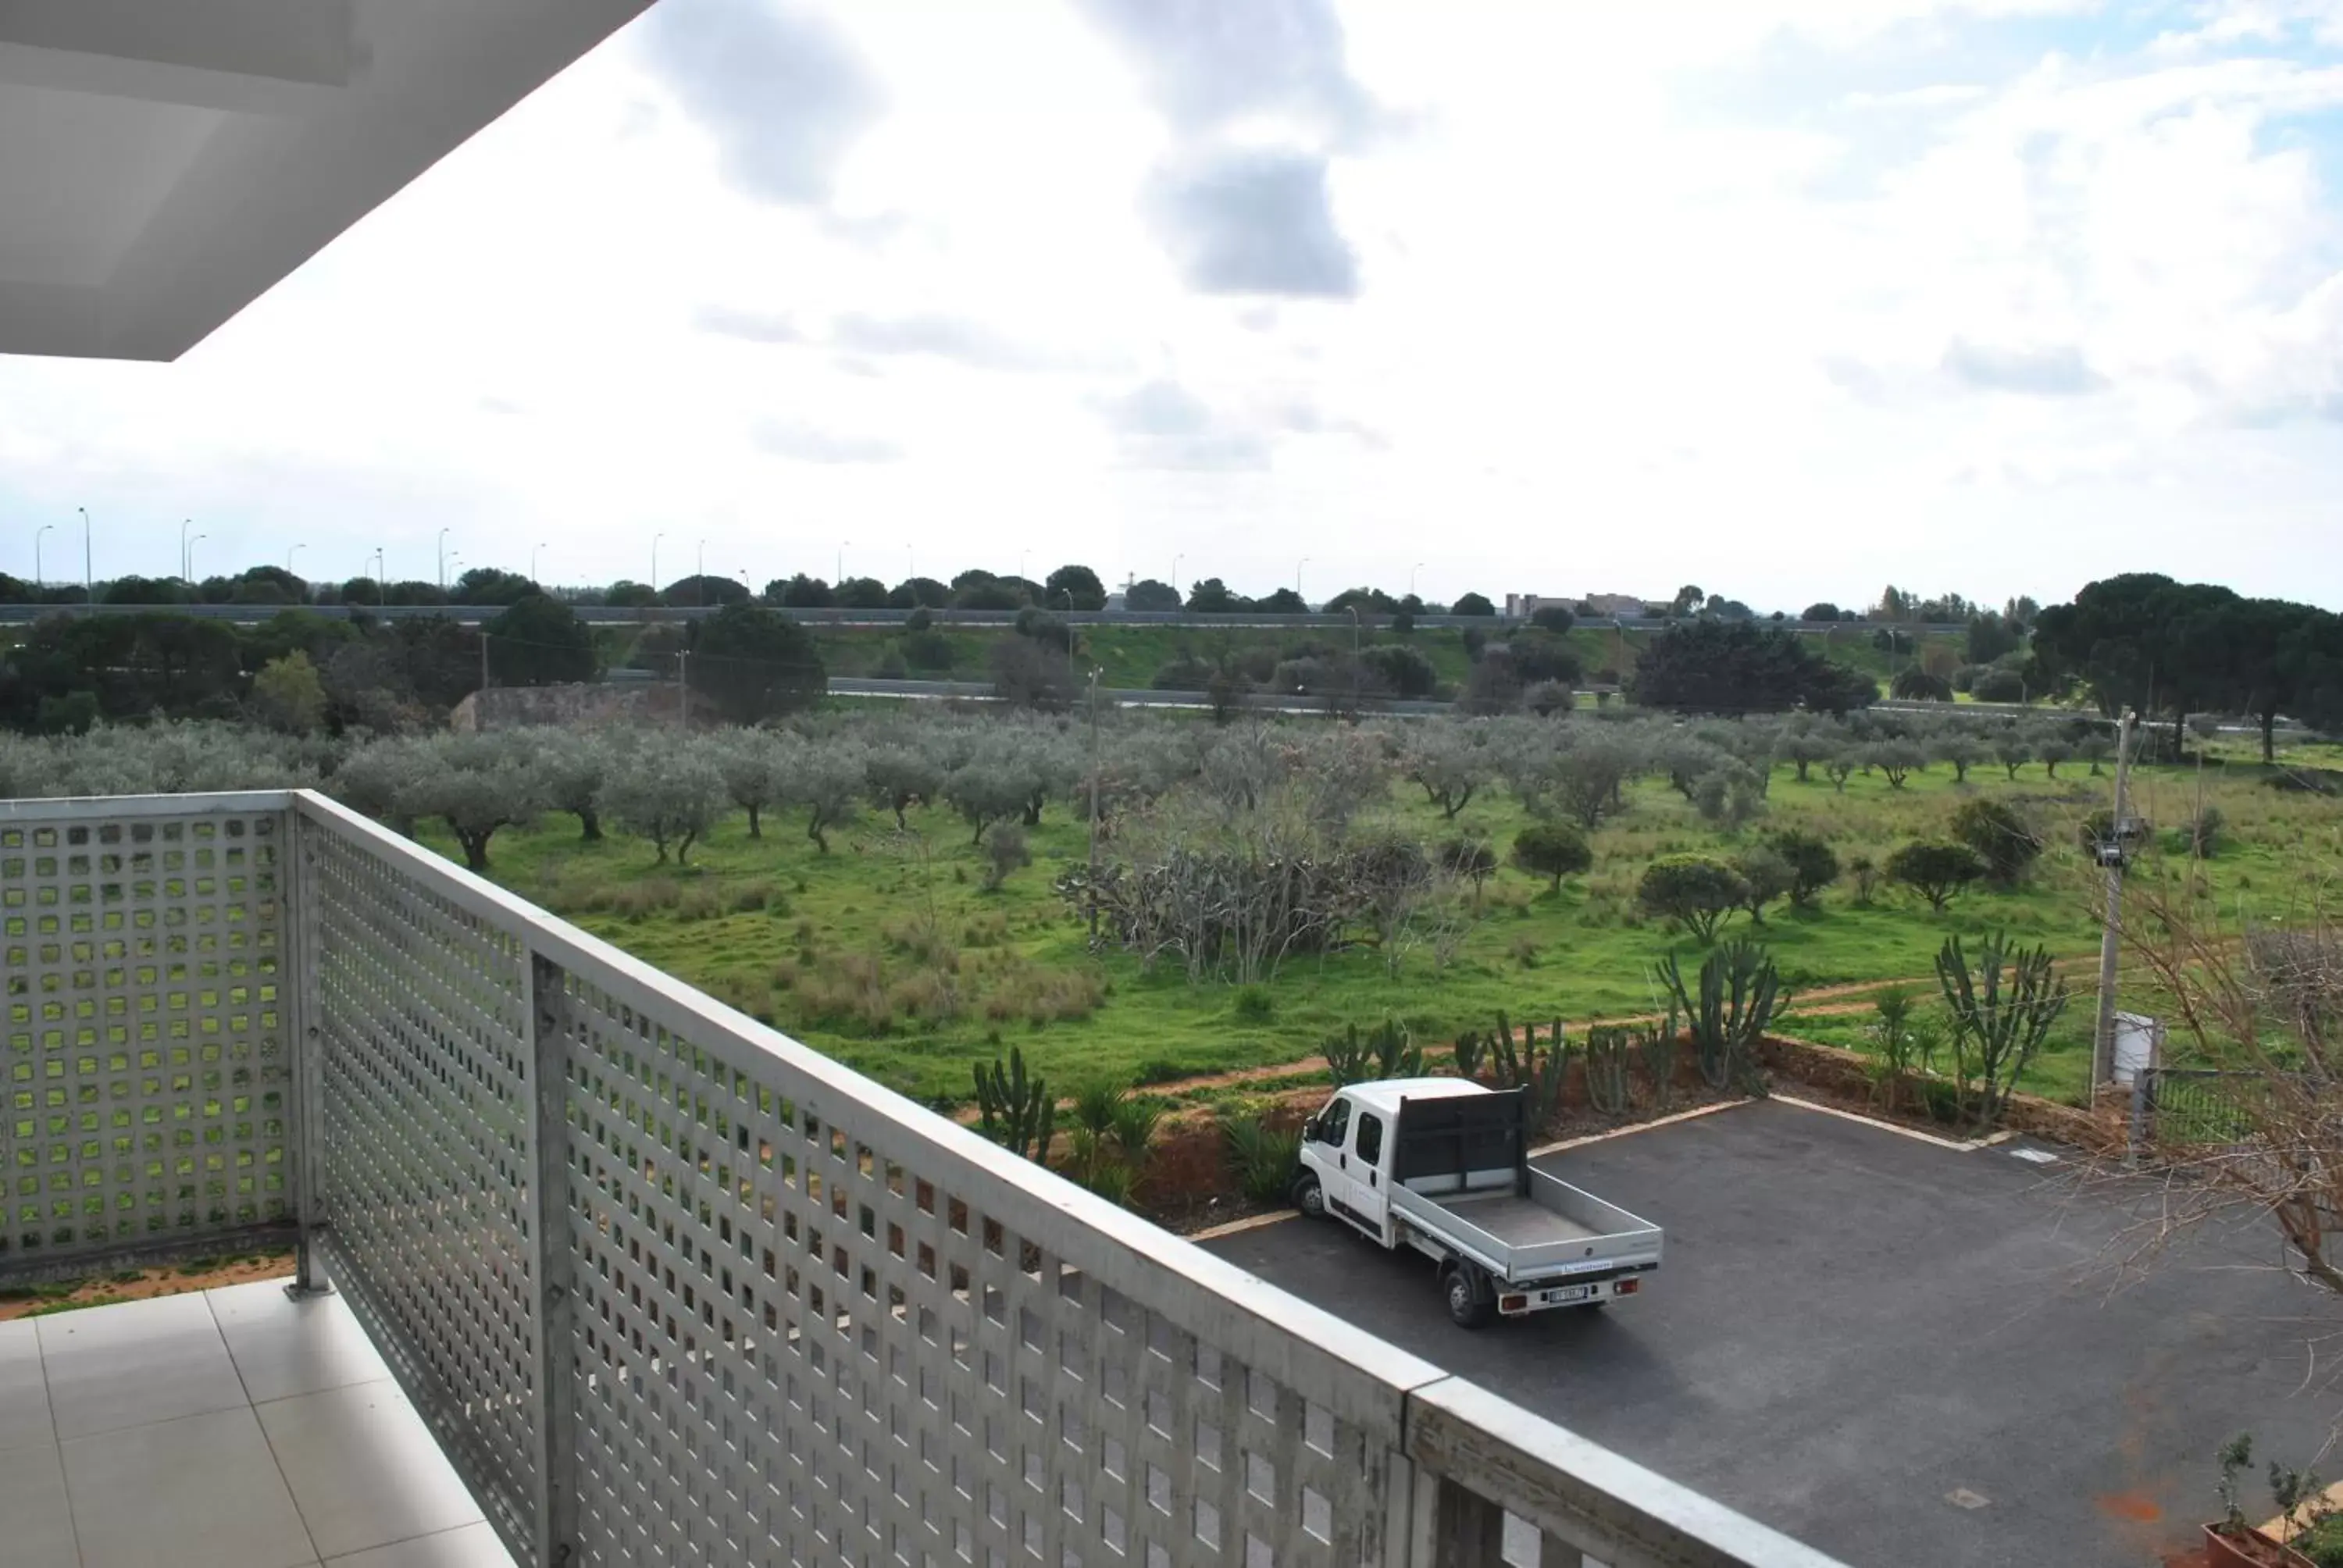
(2004, 1136)
(1233, 1227)
(1540, 1153)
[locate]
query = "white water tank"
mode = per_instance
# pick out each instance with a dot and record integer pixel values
(2139, 1042)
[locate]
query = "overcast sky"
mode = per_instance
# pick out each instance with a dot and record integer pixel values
(1787, 298)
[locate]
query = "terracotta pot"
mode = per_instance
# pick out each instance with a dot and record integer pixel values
(2250, 1549)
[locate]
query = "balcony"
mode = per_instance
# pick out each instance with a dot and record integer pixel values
(655, 1284)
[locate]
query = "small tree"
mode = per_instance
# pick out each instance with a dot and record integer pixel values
(289, 695)
(670, 797)
(1697, 890)
(476, 784)
(1004, 852)
(826, 778)
(1960, 746)
(1863, 871)
(1767, 875)
(2012, 754)
(1813, 866)
(1999, 834)
(1897, 759)
(1914, 684)
(1473, 604)
(1937, 870)
(1553, 850)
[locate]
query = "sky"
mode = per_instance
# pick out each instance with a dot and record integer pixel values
(1785, 299)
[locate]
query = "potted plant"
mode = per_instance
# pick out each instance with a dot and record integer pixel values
(2231, 1541)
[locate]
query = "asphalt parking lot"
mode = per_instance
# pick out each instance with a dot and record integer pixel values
(1897, 1353)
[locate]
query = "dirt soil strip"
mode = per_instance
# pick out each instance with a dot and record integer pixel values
(138, 1284)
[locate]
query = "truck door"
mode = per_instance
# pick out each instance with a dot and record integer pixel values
(1364, 1196)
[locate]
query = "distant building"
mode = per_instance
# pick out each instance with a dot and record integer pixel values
(1523, 605)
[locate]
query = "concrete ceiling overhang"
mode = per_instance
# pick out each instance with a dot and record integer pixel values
(163, 162)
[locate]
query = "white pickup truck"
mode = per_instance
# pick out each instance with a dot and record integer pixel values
(1442, 1165)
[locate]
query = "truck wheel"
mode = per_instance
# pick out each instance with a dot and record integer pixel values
(1309, 1197)
(1467, 1307)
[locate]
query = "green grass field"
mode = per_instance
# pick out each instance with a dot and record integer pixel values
(887, 954)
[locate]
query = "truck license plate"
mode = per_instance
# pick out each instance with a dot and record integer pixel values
(1570, 1293)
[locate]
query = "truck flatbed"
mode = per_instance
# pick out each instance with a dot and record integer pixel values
(1516, 1220)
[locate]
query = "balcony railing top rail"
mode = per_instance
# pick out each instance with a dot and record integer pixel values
(671, 1287)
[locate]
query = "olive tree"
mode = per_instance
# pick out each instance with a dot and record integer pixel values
(753, 765)
(825, 778)
(1450, 762)
(571, 765)
(671, 796)
(477, 784)
(901, 775)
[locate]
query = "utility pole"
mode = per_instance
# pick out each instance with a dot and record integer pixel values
(1090, 888)
(2111, 852)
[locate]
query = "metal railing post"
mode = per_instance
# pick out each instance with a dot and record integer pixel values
(2143, 1102)
(552, 1385)
(305, 1048)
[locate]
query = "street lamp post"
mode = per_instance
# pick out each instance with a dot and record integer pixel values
(840, 570)
(88, 576)
(1175, 571)
(44, 528)
(700, 578)
(289, 553)
(655, 540)
(443, 564)
(187, 562)
(381, 588)
(1297, 580)
(1411, 577)
(1355, 631)
(532, 558)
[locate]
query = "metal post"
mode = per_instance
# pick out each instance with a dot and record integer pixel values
(2143, 1104)
(1090, 888)
(2103, 1038)
(552, 1382)
(306, 1042)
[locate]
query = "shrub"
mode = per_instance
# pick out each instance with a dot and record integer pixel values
(1552, 617)
(921, 619)
(2204, 831)
(1865, 872)
(1914, 684)
(1998, 686)
(1252, 1004)
(1698, 890)
(1553, 850)
(1937, 870)
(1004, 852)
(1263, 1159)
(1813, 866)
(1767, 875)
(2000, 836)
(1965, 677)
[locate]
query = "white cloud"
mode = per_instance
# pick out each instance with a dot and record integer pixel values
(1815, 293)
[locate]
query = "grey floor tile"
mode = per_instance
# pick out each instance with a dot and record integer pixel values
(137, 1364)
(363, 1468)
(202, 1491)
(23, 1388)
(35, 1520)
(472, 1546)
(283, 1347)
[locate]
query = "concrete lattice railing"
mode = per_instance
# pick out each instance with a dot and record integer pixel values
(670, 1287)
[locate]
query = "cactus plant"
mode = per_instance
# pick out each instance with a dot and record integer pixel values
(1014, 1111)
(2003, 1007)
(1468, 1053)
(1740, 993)
(1386, 1051)
(1525, 1069)
(1607, 1050)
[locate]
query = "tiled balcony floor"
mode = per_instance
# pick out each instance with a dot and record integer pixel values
(233, 1429)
